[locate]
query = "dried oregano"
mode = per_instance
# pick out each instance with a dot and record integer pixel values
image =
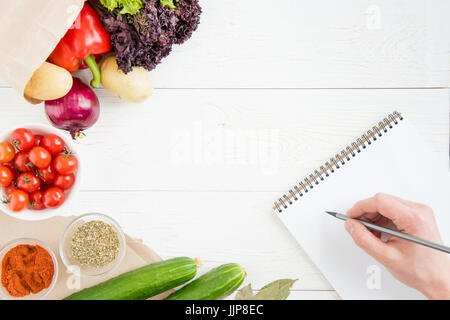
(95, 244)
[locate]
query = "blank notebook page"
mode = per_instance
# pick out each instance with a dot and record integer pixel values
(398, 163)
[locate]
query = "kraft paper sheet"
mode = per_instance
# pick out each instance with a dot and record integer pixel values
(49, 231)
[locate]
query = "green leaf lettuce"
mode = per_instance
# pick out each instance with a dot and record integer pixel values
(126, 6)
(168, 3)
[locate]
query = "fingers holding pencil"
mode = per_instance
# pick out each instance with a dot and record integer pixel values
(386, 208)
(369, 242)
(420, 267)
(409, 217)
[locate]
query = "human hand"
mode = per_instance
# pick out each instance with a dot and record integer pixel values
(417, 266)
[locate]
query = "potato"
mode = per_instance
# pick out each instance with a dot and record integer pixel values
(49, 82)
(32, 100)
(135, 86)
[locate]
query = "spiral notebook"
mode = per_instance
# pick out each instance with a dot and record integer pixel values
(391, 158)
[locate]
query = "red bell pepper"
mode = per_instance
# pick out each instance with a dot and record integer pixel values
(87, 37)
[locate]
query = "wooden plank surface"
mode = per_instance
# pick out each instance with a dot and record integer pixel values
(233, 140)
(261, 95)
(216, 227)
(221, 212)
(313, 44)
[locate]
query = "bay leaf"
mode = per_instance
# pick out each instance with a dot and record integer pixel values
(277, 290)
(246, 293)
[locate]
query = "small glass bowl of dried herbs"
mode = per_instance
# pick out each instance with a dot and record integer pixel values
(92, 245)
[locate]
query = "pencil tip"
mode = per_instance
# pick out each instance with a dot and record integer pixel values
(331, 213)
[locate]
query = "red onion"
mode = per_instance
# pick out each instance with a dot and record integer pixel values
(75, 112)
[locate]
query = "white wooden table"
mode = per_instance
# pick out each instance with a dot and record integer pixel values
(263, 93)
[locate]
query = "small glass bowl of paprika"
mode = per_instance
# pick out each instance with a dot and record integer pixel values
(17, 263)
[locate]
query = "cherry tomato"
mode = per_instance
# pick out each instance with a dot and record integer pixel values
(65, 163)
(37, 200)
(18, 200)
(40, 157)
(22, 139)
(45, 186)
(13, 169)
(53, 197)
(64, 182)
(48, 174)
(22, 162)
(28, 182)
(53, 144)
(7, 152)
(38, 139)
(6, 176)
(9, 189)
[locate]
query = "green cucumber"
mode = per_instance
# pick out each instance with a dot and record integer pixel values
(142, 283)
(214, 285)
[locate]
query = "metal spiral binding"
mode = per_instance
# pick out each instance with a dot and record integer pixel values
(335, 163)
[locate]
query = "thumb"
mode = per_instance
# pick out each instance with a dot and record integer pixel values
(367, 241)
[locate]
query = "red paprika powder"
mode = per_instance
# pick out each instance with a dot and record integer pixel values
(27, 269)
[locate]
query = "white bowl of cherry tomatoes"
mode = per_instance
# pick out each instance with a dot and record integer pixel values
(39, 171)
